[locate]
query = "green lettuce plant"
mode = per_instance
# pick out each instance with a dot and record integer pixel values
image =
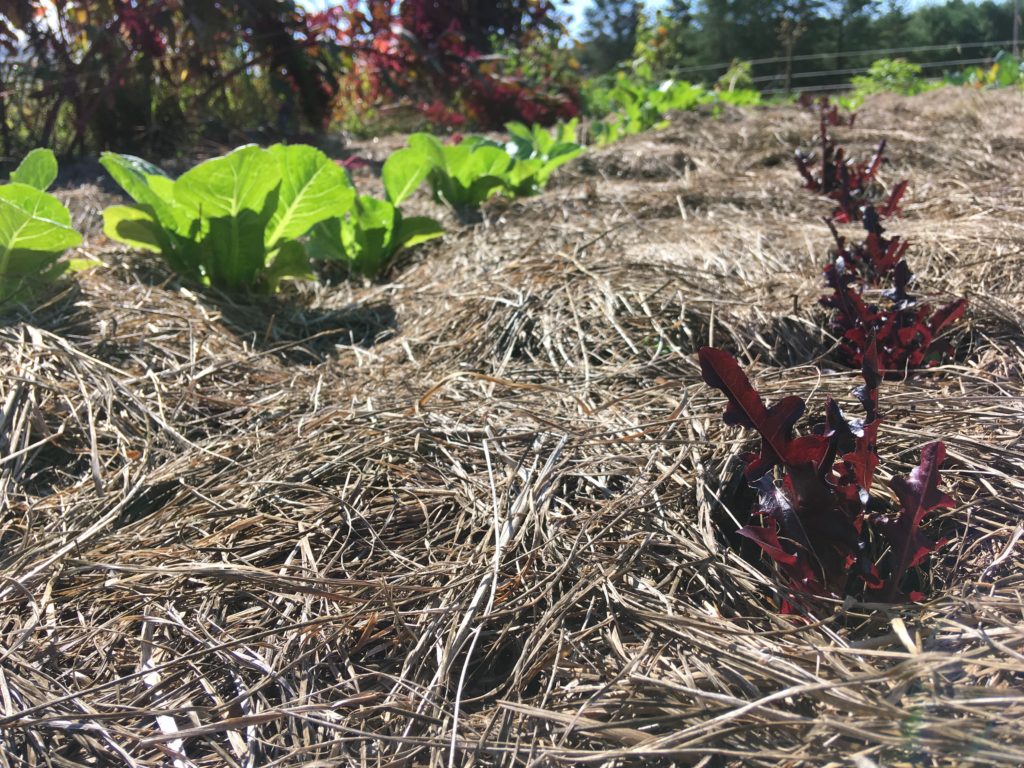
(537, 153)
(35, 228)
(232, 222)
(641, 107)
(369, 235)
(464, 175)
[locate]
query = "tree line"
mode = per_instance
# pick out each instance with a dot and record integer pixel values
(696, 36)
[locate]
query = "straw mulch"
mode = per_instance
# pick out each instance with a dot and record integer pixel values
(473, 515)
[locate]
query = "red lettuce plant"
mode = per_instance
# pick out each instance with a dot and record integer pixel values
(872, 260)
(827, 111)
(819, 521)
(904, 330)
(850, 183)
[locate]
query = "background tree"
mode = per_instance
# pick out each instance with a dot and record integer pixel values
(792, 21)
(609, 33)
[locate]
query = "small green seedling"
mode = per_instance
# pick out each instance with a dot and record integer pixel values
(464, 175)
(35, 228)
(369, 236)
(232, 222)
(537, 153)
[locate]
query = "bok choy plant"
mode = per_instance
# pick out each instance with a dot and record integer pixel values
(369, 235)
(35, 228)
(462, 176)
(231, 222)
(536, 154)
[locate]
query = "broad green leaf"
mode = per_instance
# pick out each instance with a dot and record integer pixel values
(565, 150)
(457, 163)
(35, 229)
(567, 133)
(403, 173)
(522, 145)
(38, 169)
(479, 141)
(313, 189)
(542, 140)
(150, 187)
(134, 226)
(374, 214)
(519, 130)
(290, 263)
(325, 241)
(430, 147)
(486, 161)
(415, 230)
(225, 186)
(522, 179)
(368, 235)
(235, 195)
(482, 188)
(39, 205)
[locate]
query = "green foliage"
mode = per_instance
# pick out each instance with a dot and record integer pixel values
(370, 235)
(890, 75)
(738, 77)
(35, 228)
(741, 97)
(537, 153)
(641, 107)
(232, 222)
(1005, 71)
(403, 172)
(462, 175)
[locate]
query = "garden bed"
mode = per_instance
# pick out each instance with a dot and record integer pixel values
(470, 514)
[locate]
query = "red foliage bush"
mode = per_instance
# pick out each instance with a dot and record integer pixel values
(458, 64)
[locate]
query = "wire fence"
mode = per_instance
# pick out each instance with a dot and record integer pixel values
(873, 52)
(804, 72)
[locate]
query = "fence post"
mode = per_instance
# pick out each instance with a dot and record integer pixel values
(1016, 28)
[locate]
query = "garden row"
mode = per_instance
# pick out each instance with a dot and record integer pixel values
(816, 516)
(254, 217)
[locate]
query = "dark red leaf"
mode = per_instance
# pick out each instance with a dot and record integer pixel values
(747, 409)
(918, 495)
(892, 205)
(768, 540)
(946, 316)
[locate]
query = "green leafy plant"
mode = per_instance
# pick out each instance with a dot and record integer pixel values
(890, 75)
(1006, 70)
(740, 97)
(738, 77)
(232, 222)
(35, 228)
(369, 235)
(537, 153)
(641, 107)
(464, 175)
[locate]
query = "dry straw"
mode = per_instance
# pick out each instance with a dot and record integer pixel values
(473, 516)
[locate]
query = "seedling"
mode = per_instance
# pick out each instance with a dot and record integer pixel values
(369, 236)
